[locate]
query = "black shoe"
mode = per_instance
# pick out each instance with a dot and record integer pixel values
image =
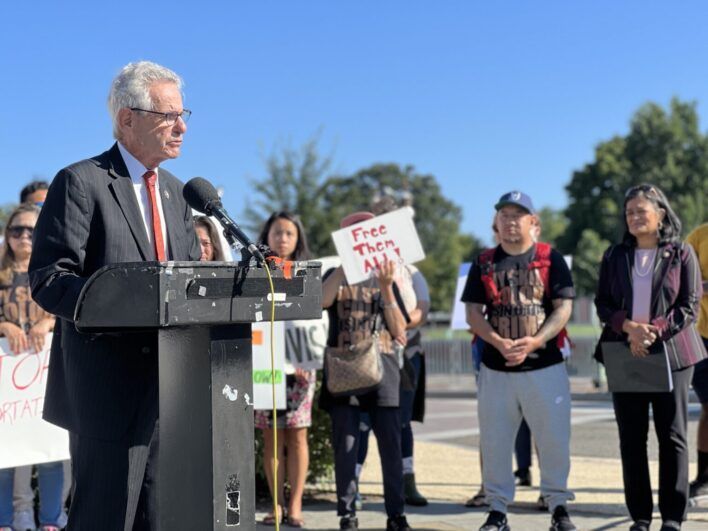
(349, 522)
(397, 523)
(523, 477)
(640, 525)
(560, 521)
(670, 525)
(542, 504)
(698, 488)
(496, 521)
(410, 492)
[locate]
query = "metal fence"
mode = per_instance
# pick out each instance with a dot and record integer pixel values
(454, 356)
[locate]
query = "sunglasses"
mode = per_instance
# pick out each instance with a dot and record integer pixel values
(17, 231)
(645, 189)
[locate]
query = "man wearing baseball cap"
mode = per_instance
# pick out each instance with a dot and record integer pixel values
(518, 298)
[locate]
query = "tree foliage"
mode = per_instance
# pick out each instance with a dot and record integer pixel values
(296, 181)
(663, 147)
(553, 225)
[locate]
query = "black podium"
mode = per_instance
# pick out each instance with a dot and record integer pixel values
(201, 313)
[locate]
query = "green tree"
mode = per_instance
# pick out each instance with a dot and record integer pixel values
(663, 147)
(296, 181)
(5, 211)
(553, 225)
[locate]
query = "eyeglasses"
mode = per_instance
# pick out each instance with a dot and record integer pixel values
(17, 231)
(170, 117)
(645, 189)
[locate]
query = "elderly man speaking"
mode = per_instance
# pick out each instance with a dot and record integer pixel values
(119, 206)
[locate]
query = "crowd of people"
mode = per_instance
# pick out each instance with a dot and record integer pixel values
(518, 298)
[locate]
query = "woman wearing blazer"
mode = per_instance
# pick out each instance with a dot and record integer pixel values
(649, 292)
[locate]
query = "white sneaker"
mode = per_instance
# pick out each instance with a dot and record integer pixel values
(24, 521)
(63, 519)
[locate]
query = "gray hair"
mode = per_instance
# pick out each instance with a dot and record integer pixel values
(131, 88)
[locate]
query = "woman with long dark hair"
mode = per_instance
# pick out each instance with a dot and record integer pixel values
(25, 327)
(284, 234)
(648, 295)
(209, 241)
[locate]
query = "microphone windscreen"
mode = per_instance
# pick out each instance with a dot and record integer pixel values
(200, 194)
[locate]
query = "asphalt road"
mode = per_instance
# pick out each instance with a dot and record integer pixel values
(593, 433)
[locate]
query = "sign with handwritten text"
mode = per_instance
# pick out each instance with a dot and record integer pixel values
(364, 246)
(262, 375)
(26, 438)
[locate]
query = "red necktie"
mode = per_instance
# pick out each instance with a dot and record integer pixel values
(150, 179)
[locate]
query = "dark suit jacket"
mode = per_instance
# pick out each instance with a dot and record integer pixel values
(91, 218)
(675, 298)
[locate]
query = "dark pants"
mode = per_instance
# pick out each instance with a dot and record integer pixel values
(670, 412)
(406, 400)
(386, 423)
(114, 487)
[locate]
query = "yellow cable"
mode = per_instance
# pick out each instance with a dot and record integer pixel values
(276, 513)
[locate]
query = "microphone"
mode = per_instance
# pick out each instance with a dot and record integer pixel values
(201, 195)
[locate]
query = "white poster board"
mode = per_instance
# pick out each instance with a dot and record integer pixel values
(458, 321)
(305, 340)
(260, 345)
(364, 246)
(25, 438)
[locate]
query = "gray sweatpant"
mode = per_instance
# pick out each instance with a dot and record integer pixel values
(542, 397)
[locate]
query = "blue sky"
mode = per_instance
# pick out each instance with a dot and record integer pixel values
(487, 96)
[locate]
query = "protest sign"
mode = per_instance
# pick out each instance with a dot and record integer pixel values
(459, 319)
(26, 438)
(305, 341)
(262, 377)
(364, 246)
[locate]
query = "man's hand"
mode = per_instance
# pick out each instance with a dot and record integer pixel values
(15, 337)
(513, 351)
(528, 344)
(38, 332)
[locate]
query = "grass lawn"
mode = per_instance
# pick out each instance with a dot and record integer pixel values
(574, 330)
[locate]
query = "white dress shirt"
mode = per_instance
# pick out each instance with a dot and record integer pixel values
(136, 170)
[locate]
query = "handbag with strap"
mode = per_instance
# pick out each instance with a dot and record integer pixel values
(356, 369)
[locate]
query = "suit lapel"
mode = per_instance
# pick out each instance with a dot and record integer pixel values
(661, 268)
(122, 187)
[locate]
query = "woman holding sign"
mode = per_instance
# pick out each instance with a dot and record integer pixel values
(364, 319)
(648, 297)
(25, 326)
(284, 234)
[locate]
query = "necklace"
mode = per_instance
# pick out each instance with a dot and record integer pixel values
(648, 263)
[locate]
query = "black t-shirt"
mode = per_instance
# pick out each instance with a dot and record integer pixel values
(524, 306)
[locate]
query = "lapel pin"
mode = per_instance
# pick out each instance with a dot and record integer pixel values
(167, 194)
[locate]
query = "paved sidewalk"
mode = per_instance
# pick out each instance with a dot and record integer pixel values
(448, 475)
